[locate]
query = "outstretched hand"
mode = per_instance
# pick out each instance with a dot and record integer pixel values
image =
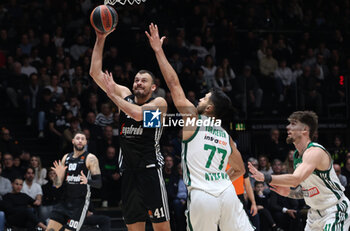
(101, 35)
(108, 82)
(259, 176)
(59, 169)
(153, 37)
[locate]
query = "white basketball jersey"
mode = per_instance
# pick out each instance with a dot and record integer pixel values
(204, 159)
(322, 189)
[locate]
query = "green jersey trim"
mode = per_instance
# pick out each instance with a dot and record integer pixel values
(320, 146)
(299, 159)
(187, 213)
(340, 217)
(189, 221)
(188, 177)
(328, 182)
(194, 134)
(325, 174)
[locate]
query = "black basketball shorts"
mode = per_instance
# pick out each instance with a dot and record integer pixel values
(144, 195)
(71, 213)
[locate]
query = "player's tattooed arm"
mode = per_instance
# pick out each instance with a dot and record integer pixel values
(93, 165)
(296, 193)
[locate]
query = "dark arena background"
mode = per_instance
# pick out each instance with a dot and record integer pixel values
(272, 57)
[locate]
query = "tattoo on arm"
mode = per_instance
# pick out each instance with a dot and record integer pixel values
(296, 193)
(94, 166)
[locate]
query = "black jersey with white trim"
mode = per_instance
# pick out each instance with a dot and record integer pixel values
(71, 184)
(139, 146)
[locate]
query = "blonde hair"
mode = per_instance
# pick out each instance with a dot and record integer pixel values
(268, 166)
(39, 168)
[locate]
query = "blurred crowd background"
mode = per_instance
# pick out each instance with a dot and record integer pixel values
(271, 57)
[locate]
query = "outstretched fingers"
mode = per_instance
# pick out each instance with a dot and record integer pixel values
(162, 39)
(153, 29)
(251, 168)
(55, 164)
(148, 35)
(108, 82)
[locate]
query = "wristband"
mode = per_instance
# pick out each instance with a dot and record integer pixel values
(268, 178)
(95, 181)
(284, 210)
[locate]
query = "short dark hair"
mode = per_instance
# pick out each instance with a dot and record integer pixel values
(148, 72)
(17, 178)
(30, 167)
(222, 103)
(258, 182)
(78, 132)
(275, 161)
(308, 118)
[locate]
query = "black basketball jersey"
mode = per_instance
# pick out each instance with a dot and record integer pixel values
(139, 146)
(72, 186)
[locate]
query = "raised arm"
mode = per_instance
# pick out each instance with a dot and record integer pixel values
(182, 104)
(96, 66)
(235, 161)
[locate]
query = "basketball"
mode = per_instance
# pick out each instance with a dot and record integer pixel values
(104, 18)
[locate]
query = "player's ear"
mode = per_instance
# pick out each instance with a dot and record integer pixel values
(153, 87)
(209, 108)
(306, 129)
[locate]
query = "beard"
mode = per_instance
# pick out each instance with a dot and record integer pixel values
(140, 93)
(201, 108)
(289, 140)
(78, 149)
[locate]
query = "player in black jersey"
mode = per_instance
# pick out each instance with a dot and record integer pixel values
(76, 172)
(143, 189)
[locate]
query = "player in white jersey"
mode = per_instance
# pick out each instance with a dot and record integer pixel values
(207, 148)
(314, 178)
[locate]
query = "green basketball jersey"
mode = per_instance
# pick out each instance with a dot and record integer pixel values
(322, 189)
(204, 159)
